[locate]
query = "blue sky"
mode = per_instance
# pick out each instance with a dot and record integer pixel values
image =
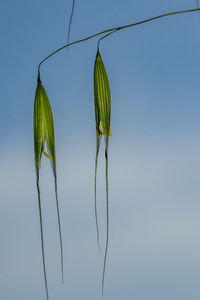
(154, 164)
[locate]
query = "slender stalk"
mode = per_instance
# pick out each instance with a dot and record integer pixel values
(42, 240)
(59, 227)
(117, 29)
(107, 217)
(105, 36)
(70, 21)
(95, 196)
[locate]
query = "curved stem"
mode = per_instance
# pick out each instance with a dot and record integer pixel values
(117, 29)
(105, 36)
(42, 240)
(70, 44)
(107, 217)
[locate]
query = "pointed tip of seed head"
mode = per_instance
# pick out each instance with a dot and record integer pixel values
(98, 53)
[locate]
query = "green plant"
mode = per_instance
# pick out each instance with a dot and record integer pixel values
(102, 104)
(44, 135)
(44, 138)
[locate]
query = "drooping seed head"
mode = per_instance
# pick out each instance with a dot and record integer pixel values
(102, 99)
(44, 141)
(102, 103)
(43, 128)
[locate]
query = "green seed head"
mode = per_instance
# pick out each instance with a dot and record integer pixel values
(43, 128)
(102, 99)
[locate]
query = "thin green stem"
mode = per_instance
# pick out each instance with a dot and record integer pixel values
(105, 36)
(117, 29)
(42, 240)
(107, 217)
(95, 196)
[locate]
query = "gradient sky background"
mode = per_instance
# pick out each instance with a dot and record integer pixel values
(154, 167)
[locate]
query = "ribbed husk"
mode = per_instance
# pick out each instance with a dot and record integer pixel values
(102, 100)
(43, 128)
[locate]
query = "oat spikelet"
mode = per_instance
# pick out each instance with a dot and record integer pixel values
(102, 103)
(44, 140)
